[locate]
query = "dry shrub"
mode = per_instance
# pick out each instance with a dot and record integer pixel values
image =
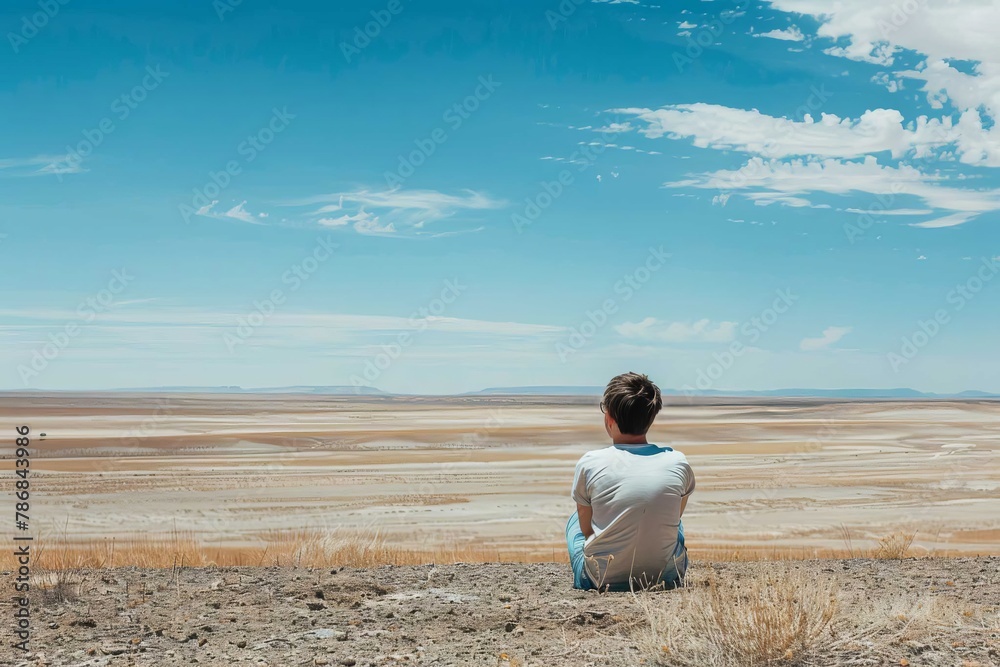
(894, 546)
(58, 575)
(58, 586)
(773, 615)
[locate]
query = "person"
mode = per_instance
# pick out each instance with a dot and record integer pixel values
(626, 533)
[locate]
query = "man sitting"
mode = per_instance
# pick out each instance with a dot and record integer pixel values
(626, 533)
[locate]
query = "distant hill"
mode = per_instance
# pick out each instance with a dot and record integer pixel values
(331, 390)
(539, 391)
(901, 392)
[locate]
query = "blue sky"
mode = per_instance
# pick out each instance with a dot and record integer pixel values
(724, 194)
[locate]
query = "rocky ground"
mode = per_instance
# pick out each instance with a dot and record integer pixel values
(500, 615)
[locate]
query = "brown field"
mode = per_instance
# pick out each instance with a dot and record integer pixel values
(155, 480)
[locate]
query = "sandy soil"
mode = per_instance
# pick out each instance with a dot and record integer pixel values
(491, 615)
(772, 474)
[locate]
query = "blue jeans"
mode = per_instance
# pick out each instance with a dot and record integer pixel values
(575, 542)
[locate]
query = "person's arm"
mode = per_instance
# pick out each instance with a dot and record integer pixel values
(586, 514)
(689, 487)
(581, 494)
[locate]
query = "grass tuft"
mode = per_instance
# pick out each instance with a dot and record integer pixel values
(774, 615)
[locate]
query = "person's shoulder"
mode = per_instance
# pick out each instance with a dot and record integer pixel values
(594, 455)
(673, 455)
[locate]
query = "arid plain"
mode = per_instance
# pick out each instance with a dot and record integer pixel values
(797, 478)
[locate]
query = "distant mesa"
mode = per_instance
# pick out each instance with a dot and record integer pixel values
(328, 390)
(540, 391)
(897, 393)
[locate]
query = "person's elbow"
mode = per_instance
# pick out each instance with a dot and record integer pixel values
(585, 513)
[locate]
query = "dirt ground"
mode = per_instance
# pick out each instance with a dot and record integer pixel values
(497, 615)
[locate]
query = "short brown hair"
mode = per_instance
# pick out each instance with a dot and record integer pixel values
(633, 401)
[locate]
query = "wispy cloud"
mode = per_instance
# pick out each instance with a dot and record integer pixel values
(774, 180)
(394, 211)
(284, 329)
(750, 131)
(238, 212)
(703, 330)
(40, 165)
(792, 34)
(830, 336)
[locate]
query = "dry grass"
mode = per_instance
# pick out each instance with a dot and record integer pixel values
(274, 549)
(305, 548)
(771, 614)
(776, 615)
(894, 546)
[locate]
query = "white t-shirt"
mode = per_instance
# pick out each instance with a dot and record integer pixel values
(635, 492)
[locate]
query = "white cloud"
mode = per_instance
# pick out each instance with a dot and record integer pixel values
(679, 332)
(612, 128)
(237, 212)
(361, 216)
(830, 336)
(940, 32)
(396, 210)
(775, 180)
(684, 25)
(726, 128)
(372, 227)
(792, 34)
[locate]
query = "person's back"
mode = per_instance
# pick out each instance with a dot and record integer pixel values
(630, 496)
